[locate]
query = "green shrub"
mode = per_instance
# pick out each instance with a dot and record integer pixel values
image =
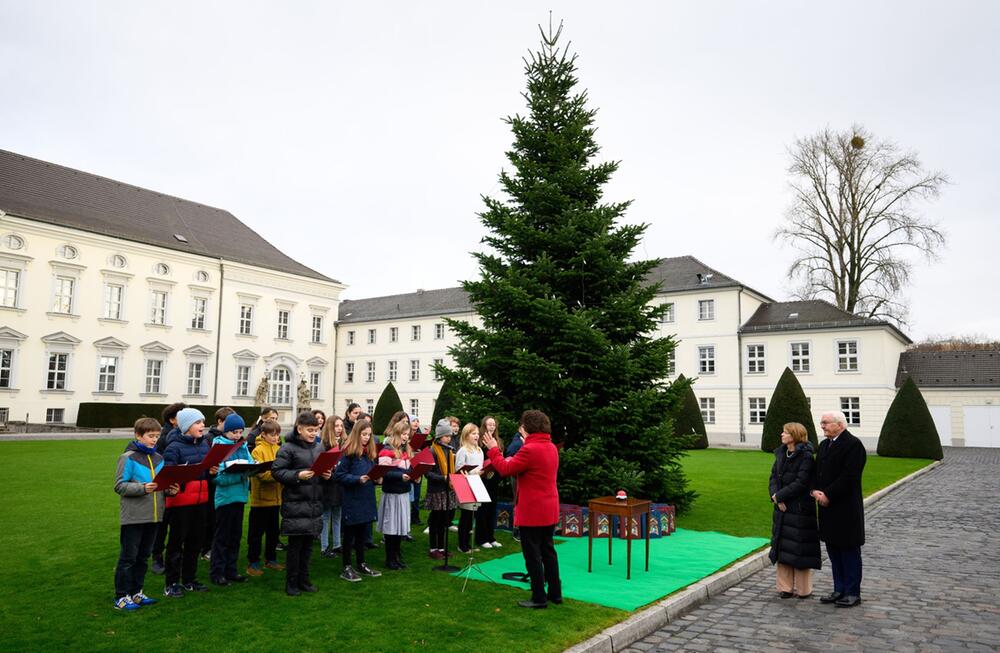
(688, 421)
(788, 404)
(388, 404)
(97, 414)
(908, 430)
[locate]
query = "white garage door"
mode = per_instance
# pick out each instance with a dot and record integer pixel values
(942, 421)
(982, 426)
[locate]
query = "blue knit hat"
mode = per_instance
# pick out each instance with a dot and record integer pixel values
(233, 423)
(186, 419)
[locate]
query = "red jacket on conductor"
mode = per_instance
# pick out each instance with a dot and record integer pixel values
(535, 465)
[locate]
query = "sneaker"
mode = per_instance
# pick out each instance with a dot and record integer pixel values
(194, 586)
(292, 590)
(496, 545)
(207, 556)
(272, 564)
(336, 550)
(453, 528)
(368, 571)
(141, 599)
(174, 591)
(254, 569)
(486, 545)
(350, 575)
(158, 567)
(308, 587)
(328, 553)
(280, 546)
(126, 603)
(221, 582)
(436, 554)
(427, 530)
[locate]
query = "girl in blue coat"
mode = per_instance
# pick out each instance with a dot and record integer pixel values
(358, 509)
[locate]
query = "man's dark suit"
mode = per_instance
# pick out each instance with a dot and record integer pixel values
(839, 466)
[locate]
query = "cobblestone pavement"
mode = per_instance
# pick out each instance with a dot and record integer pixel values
(931, 579)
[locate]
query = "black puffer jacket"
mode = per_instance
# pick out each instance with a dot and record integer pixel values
(333, 493)
(794, 534)
(301, 501)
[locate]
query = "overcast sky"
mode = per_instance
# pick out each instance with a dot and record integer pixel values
(359, 137)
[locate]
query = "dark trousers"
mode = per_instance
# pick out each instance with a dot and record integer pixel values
(352, 536)
(845, 562)
(206, 542)
(187, 527)
(392, 548)
(263, 525)
(438, 522)
(160, 542)
(486, 521)
(226, 543)
(133, 557)
(541, 562)
(415, 504)
(465, 518)
(297, 555)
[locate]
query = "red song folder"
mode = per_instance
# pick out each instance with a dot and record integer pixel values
(326, 461)
(469, 489)
(378, 471)
(170, 474)
(418, 440)
(468, 468)
(419, 469)
(218, 453)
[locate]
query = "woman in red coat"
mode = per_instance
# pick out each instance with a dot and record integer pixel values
(537, 510)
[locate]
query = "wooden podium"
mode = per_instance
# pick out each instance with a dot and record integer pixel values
(626, 510)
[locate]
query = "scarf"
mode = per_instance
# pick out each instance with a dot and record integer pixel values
(444, 457)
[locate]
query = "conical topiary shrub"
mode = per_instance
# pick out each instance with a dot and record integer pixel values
(908, 430)
(443, 405)
(688, 420)
(788, 404)
(388, 404)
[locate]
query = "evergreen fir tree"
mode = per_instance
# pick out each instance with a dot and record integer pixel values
(908, 430)
(567, 320)
(446, 403)
(788, 404)
(688, 421)
(387, 405)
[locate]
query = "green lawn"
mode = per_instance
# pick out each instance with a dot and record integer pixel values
(59, 544)
(732, 488)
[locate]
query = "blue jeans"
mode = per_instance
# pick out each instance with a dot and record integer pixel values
(331, 517)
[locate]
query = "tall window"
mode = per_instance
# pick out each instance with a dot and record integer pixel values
(283, 317)
(393, 370)
(195, 371)
(439, 331)
(800, 357)
(707, 409)
(314, 385)
(755, 359)
(371, 336)
(758, 410)
(279, 387)
(107, 374)
(706, 359)
(672, 362)
(847, 356)
(8, 287)
(434, 364)
(851, 407)
(317, 329)
(114, 295)
(415, 332)
(415, 370)
(6, 368)
(349, 373)
(370, 372)
(154, 376)
(415, 407)
(158, 313)
(350, 337)
(393, 334)
(58, 367)
(63, 300)
(199, 307)
(246, 319)
(668, 313)
(369, 406)
(706, 309)
(242, 380)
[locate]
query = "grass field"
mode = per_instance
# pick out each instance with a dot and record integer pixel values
(59, 544)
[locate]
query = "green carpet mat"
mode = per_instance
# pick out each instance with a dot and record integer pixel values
(682, 558)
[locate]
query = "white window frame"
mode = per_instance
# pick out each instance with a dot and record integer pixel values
(369, 371)
(415, 370)
(669, 314)
(315, 384)
(851, 408)
(10, 293)
(393, 371)
(707, 405)
(706, 310)
(393, 334)
(316, 335)
(243, 384)
(756, 358)
(842, 358)
(148, 376)
(434, 364)
(284, 323)
(114, 308)
(107, 379)
(52, 375)
(51, 415)
(415, 332)
(370, 406)
(156, 311)
(8, 357)
(350, 337)
(194, 383)
(245, 325)
(758, 409)
(63, 294)
(672, 362)
(277, 388)
(415, 407)
(349, 373)
(439, 330)
(199, 313)
(708, 360)
(802, 359)
(372, 336)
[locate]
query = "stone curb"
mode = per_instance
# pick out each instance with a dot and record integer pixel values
(639, 625)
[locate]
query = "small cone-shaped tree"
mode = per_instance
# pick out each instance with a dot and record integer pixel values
(688, 421)
(788, 404)
(444, 405)
(908, 430)
(388, 404)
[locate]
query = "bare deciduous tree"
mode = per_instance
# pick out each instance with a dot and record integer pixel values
(854, 219)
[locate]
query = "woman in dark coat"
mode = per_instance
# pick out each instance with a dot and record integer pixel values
(301, 499)
(358, 509)
(794, 534)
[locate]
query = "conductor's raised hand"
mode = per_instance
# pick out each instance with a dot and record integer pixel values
(489, 441)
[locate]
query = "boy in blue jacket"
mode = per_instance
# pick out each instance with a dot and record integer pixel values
(231, 493)
(141, 512)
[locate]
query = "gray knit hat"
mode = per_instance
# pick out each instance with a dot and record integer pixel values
(443, 428)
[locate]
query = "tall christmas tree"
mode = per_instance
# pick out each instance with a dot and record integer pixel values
(567, 320)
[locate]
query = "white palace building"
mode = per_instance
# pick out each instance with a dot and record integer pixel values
(114, 293)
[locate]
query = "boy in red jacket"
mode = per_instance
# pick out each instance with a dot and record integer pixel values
(536, 513)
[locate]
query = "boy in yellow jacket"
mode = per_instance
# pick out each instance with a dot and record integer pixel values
(265, 504)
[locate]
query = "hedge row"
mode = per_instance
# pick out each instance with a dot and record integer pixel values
(96, 414)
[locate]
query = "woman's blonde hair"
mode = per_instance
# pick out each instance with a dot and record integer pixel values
(395, 439)
(466, 433)
(329, 437)
(797, 431)
(354, 446)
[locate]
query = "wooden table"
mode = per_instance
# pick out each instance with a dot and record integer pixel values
(625, 510)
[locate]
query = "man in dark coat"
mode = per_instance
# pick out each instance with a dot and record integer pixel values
(837, 489)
